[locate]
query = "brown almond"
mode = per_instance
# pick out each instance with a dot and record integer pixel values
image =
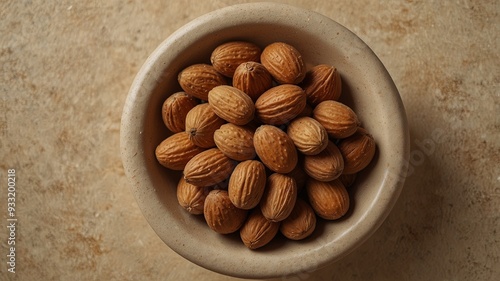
(201, 123)
(235, 141)
(358, 151)
(284, 62)
(231, 104)
(247, 184)
(253, 79)
(220, 214)
(228, 56)
(191, 197)
(300, 223)
(175, 109)
(300, 177)
(321, 83)
(325, 166)
(329, 200)
(339, 120)
(175, 151)
(347, 179)
(280, 104)
(198, 79)
(275, 149)
(308, 135)
(257, 231)
(209, 167)
(279, 197)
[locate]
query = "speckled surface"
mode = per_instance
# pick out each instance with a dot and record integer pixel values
(66, 68)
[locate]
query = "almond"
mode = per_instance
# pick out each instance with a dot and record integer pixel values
(358, 151)
(228, 56)
(220, 214)
(201, 123)
(198, 79)
(175, 151)
(236, 142)
(329, 200)
(300, 223)
(208, 168)
(191, 197)
(347, 179)
(325, 166)
(308, 135)
(247, 184)
(275, 149)
(284, 62)
(231, 104)
(300, 177)
(253, 79)
(322, 83)
(257, 231)
(280, 104)
(279, 197)
(175, 109)
(339, 120)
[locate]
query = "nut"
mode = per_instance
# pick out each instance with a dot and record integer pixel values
(247, 184)
(208, 168)
(175, 151)
(258, 231)
(300, 223)
(198, 79)
(347, 179)
(201, 123)
(280, 104)
(358, 151)
(191, 197)
(308, 135)
(220, 214)
(253, 79)
(322, 83)
(284, 62)
(175, 109)
(339, 120)
(300, 177)
(329, 200)
(231, 104)
(235, 141)
(275, 149)
(228, 56)
(279, 197)
(325, 166)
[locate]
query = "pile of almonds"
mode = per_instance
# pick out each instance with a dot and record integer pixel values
(264, 144)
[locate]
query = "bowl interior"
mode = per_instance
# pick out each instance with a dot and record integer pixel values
(367, 88)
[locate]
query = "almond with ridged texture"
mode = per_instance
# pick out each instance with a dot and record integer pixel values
(175, 151)
(300, 223)
(275, 149)
(280, 104)
(329, 200)
(175, 109)
(201, 123)
(191, 197)
(308, 135)
(339, 120)
(279, 197)
(228, 56)
(220, 214)
(231, 104)
(358, 151)
(257, 231)
(235, 141)
(325, 166)
(284, 62)
(209, 167)
(322, 83)
(247, 184)
(198, 79)
(253, 79)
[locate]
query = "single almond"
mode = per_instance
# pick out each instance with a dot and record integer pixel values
(247, 184)
(284, 62)
(321, 83)
(300, 223)
(325, 166)
(175, 151)
(201, 124)
(358, 151)
(220, 214)
(198, 79)
(308, 135)
(175, 109)
(279, 197)
(226, 57)
(339, 120)
(329, 200)
(275, 149)
(209, 167)
(253, 79)
(191, 197)
(231, 104)
(235, 141)
(280, 104)
(257, 231)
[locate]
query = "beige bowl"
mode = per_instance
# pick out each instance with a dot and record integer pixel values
(367, 87)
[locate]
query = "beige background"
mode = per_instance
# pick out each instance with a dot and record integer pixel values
(65, 69)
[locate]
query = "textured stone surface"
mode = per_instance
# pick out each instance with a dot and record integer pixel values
(65, 69)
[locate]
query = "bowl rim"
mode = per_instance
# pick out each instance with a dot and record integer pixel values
(134, 161)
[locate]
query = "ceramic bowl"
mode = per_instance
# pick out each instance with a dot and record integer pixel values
(367, 88)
